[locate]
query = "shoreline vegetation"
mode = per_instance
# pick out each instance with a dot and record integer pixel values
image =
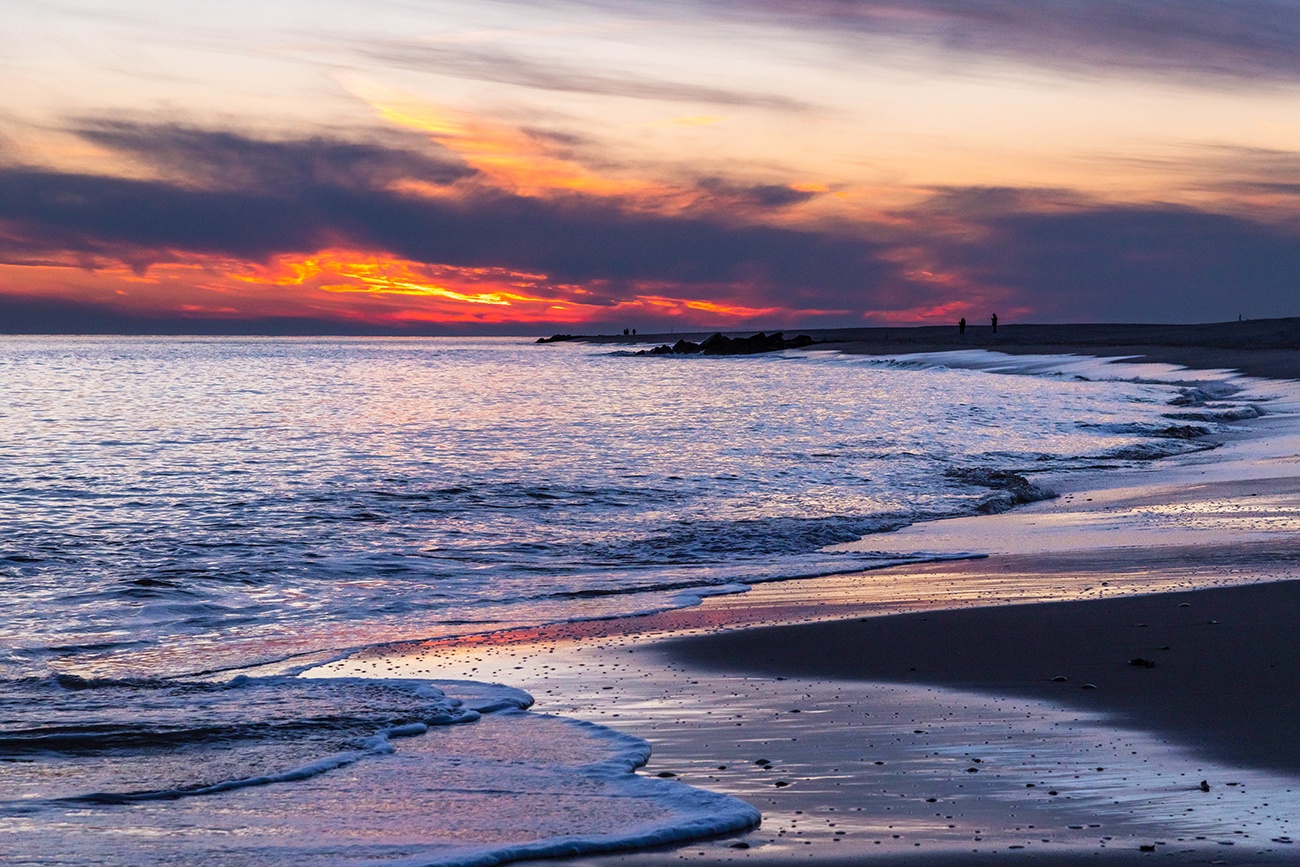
(1268, 348)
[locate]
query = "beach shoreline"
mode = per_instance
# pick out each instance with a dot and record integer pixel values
(899, 705)
(947, 641)
(1087, 587)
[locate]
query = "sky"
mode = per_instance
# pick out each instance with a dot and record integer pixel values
(584, 166)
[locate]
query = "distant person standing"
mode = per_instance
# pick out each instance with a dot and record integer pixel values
(961, 325)
(995, 323)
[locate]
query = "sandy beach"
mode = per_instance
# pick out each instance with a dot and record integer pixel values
(939, 736)
(1058, 697)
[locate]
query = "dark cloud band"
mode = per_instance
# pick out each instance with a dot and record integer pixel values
(1052, 252)
(300, 197)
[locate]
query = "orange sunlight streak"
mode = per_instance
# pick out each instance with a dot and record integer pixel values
(509, 157)
(339, 284)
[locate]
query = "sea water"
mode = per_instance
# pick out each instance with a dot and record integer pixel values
(175, 510)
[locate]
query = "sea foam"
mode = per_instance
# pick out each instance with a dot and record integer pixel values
(275, 770)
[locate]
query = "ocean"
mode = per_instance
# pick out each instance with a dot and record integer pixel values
(175, 511)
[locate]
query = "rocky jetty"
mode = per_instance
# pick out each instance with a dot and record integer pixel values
(720, 344)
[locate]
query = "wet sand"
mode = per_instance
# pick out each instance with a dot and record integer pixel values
(818, 719)
(1223, 672)
(912, 715)
(865, 760)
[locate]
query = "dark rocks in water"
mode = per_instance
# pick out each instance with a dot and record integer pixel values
(681, 347)
(1012, 489)
(1238, 413)
(1182, 432)
(1202, 396)
(1140, 662)
(559, 338)
(1205, 785)
(720, 344)
(986, 477)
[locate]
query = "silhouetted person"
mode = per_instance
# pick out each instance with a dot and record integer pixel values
(625, 332)
(634, 332)
(961, 325)
(995, 323)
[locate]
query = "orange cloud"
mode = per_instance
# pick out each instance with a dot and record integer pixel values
(345, 285)
(679, 305)
(509, 157)
(373, 274)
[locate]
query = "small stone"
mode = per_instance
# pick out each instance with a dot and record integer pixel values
(780, 784)
(1060, 678)
(1205, 786)
(1088, 686)
(1142, 662)
(665, 774)
(1147, 847)
(741, 845)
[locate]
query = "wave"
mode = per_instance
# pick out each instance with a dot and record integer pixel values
(348, 764)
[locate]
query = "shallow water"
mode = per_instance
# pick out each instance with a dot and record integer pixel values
(174, 507)
(491, 789)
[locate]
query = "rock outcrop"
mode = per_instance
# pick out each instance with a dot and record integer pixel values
(720, 344)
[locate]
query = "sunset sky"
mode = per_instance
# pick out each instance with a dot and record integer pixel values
(417, 166)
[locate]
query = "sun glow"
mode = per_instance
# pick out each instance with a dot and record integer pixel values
(358, 286)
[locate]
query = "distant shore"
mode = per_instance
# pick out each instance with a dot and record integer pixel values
(1257, 347)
